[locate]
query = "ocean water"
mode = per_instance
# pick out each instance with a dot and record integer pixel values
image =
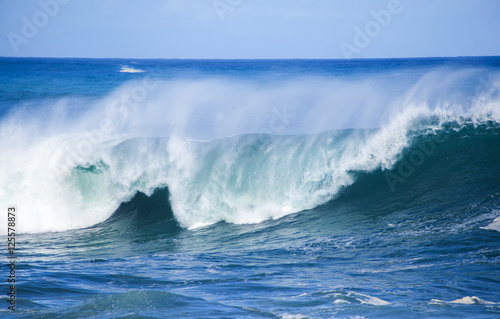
(251, 188)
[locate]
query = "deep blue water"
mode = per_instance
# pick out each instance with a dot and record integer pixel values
(252, 188)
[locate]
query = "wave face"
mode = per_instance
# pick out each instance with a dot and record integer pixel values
(251, 178)
(235, 150)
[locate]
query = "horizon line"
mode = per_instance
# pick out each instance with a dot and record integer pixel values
(252, 59)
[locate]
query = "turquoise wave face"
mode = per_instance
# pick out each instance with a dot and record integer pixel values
(247, 178)
(238, 173)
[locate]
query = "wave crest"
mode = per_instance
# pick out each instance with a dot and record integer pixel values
(60, 182)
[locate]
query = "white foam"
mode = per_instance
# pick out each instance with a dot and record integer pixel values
(472, 301)
(127, 69)
(354, 297)
(47, 201)
(372, 300)
(494, 225)
(464, 301)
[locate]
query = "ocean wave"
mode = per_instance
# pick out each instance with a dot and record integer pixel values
(77, 177)
(242, 179)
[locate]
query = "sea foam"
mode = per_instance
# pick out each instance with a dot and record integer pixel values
(494, 225)
(127, 69)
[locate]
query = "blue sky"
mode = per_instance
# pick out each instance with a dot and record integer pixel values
(249, 28)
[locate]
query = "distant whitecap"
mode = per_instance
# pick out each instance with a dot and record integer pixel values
(127, 69)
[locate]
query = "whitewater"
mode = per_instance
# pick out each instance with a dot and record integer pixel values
(82, 174)
(188, 164)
